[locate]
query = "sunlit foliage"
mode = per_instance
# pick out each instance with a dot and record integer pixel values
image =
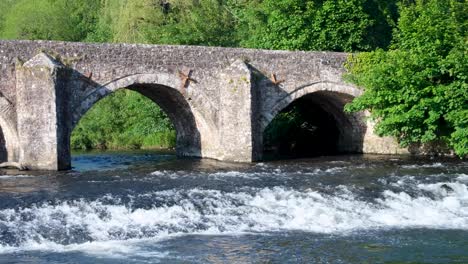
(343, 25)
(124, 119)
(418, 91)
(49, 19)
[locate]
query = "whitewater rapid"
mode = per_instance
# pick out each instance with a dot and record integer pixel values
(118, 223)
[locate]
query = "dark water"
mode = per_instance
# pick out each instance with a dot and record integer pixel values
(149, 207)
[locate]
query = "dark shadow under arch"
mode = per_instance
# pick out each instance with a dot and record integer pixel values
(314, 125)
(3, 148)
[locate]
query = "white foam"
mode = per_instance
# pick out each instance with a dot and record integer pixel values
(15, 176)
(463, 178)
(277, 172)
(214, 212)
(432, 165)
(108, 249)
(334, 169)
(168, 174)
(244, 175)
(159, 173)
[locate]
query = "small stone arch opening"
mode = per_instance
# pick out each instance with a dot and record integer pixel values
(172, 103)
(314, 124)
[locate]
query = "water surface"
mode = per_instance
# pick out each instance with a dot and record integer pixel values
(150, 207)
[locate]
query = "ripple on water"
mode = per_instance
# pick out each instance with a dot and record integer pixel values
(162, 203)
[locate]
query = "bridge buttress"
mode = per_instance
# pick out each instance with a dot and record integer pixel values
(235, 113)
(43, 114)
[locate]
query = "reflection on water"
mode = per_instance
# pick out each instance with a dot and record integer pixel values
(114, 160)
(150, 207)
(27, 184)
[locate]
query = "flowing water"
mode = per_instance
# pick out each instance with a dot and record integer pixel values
(149, 207)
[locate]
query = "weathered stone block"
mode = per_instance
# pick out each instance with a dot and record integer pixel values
(235, 119)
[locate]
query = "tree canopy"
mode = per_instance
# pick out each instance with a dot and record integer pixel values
(417, 91)
(343, 25)
(48, 19)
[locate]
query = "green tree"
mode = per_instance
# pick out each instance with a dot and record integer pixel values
(124, 119)
(384, 15)
(107, 15)
(5, 6)
(418, 91)
(204, 22)
(343, 25)
(135, 27)
(50, 20)
(188, 22)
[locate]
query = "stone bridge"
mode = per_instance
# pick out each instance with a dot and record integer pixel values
(220, 100)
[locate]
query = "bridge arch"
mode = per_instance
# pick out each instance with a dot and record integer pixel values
(160, 88)
(325, 103)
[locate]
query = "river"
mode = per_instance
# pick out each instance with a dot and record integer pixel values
(150, 207)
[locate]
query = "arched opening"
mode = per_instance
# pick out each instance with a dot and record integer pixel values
(315, 124)
(157, 116)
(124, 119)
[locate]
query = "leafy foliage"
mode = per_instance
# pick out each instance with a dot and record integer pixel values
(5, 6)
(343, 25)
(282, 127)
(130, 26)
(204, 22)
(124, 119)
(418, 91)
(49, 19)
